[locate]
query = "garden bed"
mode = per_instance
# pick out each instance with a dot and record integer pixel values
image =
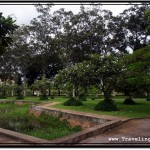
(74, 118)
(17, 118)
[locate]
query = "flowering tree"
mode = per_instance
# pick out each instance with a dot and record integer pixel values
(42, 86)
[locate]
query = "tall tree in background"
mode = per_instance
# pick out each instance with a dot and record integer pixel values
(7, 27)
(41, 34)
(129, 29)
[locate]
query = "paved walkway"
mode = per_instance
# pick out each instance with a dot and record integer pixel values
(137, 129)
(6, 139)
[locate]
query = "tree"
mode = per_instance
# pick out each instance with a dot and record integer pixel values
(139, 69)
(87, 33)
(8, 26)
(129, 27)
(42, 86)
(124, 86)
(100, 71)
(41, 32)
(147, 14)
(21, 54)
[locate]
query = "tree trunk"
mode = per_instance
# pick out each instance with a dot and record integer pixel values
(76, 91)
(12, 92)
(73, 92)
(107, 95)
(147, 94)
(38, 93)
(33, 92)
(129, 95)
(49, 91)
(24, 87)
(58, 92)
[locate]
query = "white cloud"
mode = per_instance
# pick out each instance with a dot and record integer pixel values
(25, 13)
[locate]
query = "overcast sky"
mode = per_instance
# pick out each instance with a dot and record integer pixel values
(25, 13)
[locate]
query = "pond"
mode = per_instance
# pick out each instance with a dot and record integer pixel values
(17, 118)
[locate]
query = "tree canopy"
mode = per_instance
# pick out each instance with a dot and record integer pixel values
(7, 27)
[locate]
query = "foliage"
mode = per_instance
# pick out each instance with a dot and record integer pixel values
(3, 90)
(147, 14)
(72, 102)
(106, 105)
(139, 69)
(82, 97)
(93, 98)
(42, 86)
(129, 101)
(8, 26)
(52, 96)
(43, 97)
(129, 29)
(18, 89)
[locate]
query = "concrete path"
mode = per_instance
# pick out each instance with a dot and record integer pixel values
(133, 131)
(6, 139)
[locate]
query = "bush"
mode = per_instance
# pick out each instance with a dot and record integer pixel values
(19, 97)
(106, 105)
(148, 98)
(72, 102)
(77, 128)
(29, 92)
(93, 98)
(52, 97)
(3, 97)
(43, 97)
(129, 101)
(82, 97)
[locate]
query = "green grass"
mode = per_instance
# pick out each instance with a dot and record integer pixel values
(17, 118)
(141, 109)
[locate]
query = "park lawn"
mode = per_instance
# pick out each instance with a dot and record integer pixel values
(141, 109)
(36, 98)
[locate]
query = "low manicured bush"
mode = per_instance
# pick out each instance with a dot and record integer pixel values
(43, 97)
(129, 101)
(19, 97)
(148, 98)
(77, 128)
(73, 102)
(93, 98)
(106, 105)
(82, 97)
(3, 97)
(52, 97)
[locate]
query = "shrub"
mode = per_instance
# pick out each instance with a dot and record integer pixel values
(82, 97)
(3, 90)
(43, 97)
(18, 89)
(72, 102)
(77, 128)
(52, 97)
(29, 92)
(3, 97)
(106, 105)
(129, 101)
(19, 97)
(93, 98)
(148, 98)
